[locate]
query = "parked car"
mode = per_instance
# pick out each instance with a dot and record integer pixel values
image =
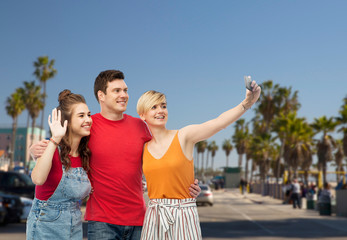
(19, 169)
(206, 195)
(3, 211)
(13, 208)
(17, 183)
(27, 203)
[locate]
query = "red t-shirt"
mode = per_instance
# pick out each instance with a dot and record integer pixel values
(116, 171)
(45, 191)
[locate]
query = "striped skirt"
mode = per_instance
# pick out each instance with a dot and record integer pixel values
(171, 219)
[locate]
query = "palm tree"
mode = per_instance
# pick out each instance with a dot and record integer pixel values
(296, 135)
(301, 146)
(326, 145)
(207, 155)
(342, 121)
(261, 148)
(227, 147)
(213, 148)
(44, 71)
(240, 138)
(248, 157)
(267, 105)
(275, 155)
(307, 163)
(22, 92)
(339, 155)
(201, 147)
(33, 99)
(285, 103)
(14, 107)
(280, 127)
(196, 167)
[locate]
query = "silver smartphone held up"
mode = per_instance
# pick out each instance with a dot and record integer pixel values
(248, 81)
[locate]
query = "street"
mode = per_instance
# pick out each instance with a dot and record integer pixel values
(234, 216)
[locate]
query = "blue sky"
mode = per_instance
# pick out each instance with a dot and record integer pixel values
(196, 52)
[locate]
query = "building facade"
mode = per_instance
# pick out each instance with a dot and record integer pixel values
(23, 142)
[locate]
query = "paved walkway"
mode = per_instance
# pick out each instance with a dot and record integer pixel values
(333, 221)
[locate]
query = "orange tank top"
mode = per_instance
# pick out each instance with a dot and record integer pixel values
(171, 175)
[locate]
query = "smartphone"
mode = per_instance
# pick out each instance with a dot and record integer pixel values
(248, 81)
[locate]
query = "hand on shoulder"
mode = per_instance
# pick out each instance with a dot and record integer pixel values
(37, 149)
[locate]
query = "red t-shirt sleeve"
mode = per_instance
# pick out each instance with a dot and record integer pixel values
(147, 132)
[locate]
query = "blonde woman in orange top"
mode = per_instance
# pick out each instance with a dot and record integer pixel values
(169, 169)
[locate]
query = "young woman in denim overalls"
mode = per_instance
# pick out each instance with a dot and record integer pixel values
(61, 173)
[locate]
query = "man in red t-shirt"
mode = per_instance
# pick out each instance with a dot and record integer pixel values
(116, 208)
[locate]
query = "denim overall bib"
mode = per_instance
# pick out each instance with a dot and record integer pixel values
(60, 216)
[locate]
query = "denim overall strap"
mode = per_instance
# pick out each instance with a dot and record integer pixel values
(74, 186)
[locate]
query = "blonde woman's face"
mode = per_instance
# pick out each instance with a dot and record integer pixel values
(157, 115)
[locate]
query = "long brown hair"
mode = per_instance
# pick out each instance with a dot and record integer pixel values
(67, 100)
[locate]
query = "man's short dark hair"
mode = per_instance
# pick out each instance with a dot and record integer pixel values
(103, 78)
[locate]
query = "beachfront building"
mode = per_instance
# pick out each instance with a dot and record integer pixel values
(23, 142)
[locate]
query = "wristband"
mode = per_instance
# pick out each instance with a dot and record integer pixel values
(243, 107)
(55, 143)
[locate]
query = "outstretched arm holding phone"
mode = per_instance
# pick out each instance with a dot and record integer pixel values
(168, 163)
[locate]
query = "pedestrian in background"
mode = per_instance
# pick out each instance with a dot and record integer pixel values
(296, 193)
(243, 185)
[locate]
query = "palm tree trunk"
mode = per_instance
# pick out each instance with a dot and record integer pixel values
(240, 160)
(278, 170)
(280, 161)
(32, 131)
(207, 160)
(26, 164)
(290, 174)
(202, 167)
(212, 163)
(306, 177)
(43, 109)
(202, 164)
(28, 121)
(295, 172)
(13, 144)
(324, 172)
(262, 170)
(344, 143)
(27, 131)
(246, 170)
(197, 163)
(252, 170)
